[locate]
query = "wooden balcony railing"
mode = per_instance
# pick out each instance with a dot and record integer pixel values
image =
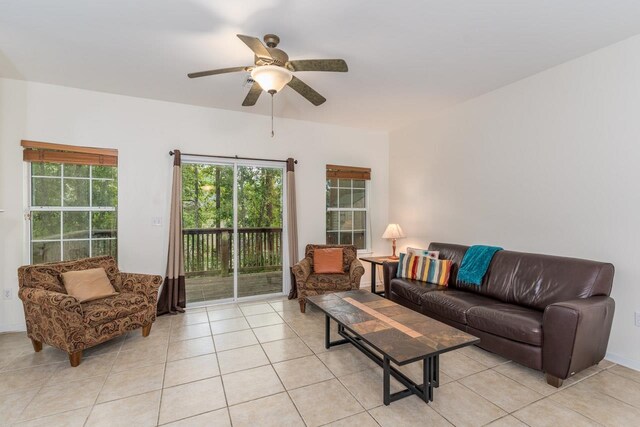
(209, 251)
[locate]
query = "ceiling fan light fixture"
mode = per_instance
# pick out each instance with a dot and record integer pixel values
(271, 78)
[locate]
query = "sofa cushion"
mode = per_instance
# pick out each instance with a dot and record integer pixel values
(453, 304)
(349, 253)
(423, 252)
(412, 290)
(87, 285)
(509, 321)
(453, 252)
(327, 260)
(423, 268)
(108, 309)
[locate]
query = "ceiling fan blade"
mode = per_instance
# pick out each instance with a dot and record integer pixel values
(305, 90)
(253, 95)
(218, 71)
(338, 65)
(256, 46)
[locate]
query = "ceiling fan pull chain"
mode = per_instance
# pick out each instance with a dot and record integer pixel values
(272, 133)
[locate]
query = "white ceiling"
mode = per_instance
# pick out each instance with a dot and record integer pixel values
(407, 59)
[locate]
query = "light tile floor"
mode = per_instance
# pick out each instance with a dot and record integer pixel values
(264, 364)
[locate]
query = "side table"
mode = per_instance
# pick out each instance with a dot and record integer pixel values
(375, 261)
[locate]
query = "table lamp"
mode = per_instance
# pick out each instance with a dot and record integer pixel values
(393, 232)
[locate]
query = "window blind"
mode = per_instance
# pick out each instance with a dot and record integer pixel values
(46, 152)
(348, 172)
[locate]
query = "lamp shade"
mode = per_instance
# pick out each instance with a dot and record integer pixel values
(271, 78)
(393, 231)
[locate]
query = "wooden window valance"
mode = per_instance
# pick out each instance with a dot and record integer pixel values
(46, 152)
(348, 172)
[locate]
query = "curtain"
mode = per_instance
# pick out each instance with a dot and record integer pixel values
(172, 297)
(292, 224)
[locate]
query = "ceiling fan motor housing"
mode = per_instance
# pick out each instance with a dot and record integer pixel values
(279, 58)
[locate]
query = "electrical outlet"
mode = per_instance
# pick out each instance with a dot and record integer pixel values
(156, 221)
(638, 319)
(7, 294)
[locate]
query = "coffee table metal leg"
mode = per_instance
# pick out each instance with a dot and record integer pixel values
(436, 369)
(327, 332)
(373, 278)
(387, 381)
(426, 378)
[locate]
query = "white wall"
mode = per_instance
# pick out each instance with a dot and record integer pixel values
(549, 164)
(144, 131)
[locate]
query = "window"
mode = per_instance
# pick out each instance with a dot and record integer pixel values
(72, 208)
(348, 206)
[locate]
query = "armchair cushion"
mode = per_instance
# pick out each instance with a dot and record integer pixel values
(327, 261)
(328, 282)
(349, 253)
(87, 285)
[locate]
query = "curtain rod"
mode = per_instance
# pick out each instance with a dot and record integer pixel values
(233, 157)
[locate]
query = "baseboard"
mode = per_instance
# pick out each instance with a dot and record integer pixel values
(629, 363)
(16, 327)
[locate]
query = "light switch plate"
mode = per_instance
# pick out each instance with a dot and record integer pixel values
(637, 322)
(156, 221)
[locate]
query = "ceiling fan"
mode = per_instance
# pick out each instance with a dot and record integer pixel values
(272, 70)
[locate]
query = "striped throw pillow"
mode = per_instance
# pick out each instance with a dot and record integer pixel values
(424, 268)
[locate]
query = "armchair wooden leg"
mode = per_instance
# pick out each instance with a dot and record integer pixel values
(37, 345)
(75, 358)
(303, 304)
(146, 330)
(554, 381)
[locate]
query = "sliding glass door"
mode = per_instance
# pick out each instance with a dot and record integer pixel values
(232, 229)
(260, 212)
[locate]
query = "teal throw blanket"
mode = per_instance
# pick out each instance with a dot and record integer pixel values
(475, 263)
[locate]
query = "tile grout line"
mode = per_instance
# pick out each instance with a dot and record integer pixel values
(190, 382)
(215, 351)
(34, 396)
(164, 374)
(46, 386)
(276, 372)
(334, 377)
(105, 380)
(607, 394)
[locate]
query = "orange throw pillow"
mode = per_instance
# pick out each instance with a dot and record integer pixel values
(87, 285)
(328, 260)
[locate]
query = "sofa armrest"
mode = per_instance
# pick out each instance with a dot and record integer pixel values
(140, 283)
(53, 318)
(56, 300)
(356, 270)
(389, 270)
(302, 271)
(576, 334)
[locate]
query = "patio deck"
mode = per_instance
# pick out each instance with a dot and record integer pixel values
(215, 287)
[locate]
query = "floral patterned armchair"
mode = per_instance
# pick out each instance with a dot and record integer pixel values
(61, 321)
(310, 283)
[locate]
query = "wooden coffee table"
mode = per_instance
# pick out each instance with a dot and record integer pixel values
(375, 324)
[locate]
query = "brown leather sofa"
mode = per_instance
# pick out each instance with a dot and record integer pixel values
(549, 313)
